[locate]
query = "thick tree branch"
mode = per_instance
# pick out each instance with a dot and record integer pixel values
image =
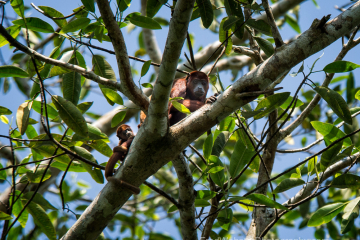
(157, 118)
(118, 42)
(186, 198)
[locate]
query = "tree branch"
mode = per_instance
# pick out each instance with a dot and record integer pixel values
(117, 40)
(186, 198)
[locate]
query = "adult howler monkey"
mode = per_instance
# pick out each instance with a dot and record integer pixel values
(193, 89)
(126, 136)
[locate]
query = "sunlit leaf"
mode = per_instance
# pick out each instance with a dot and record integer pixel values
(287, 184)
(340, 66)
(325, 214)
(35, 24)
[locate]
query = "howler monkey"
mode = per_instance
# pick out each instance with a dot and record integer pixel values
(126, 136)
(193, 89)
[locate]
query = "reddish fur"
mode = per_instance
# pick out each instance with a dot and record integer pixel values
(184, 87)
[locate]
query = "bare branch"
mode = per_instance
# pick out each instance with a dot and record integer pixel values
(275, 31)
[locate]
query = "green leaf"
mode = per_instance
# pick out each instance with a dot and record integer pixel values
(152, 7)
(260, 25)
(71, 115)
(18, 6)
(340, 66)
(41, 219)
(233, 7)
(145, 68)
(350, 88)
(95, 173)
(330, 154)
(346, 181)
(262, 199)
(54, 13)
(72, 87)
(330, 132)
(201, 203)
(17, 207)
(84, 106)
(12, 71)
(218, 177)
(223, 35)
(225, 218)
(35, 177)
(220, 143)
(147, 85)
(205, 194)
(103, 68)
(293, 23)
(4, 216)
(216, 169)
(2, 173)
(208, 145)
(325, 214)
(22, 116)
(4, 111)
(35, 24)
(180, 107)
(13, 31)
(206, 12)
(101, 147)
(89, 5)
(271, 103)
(144, 22)
(357, 95)
(4, 119)
(75, 25)
(230, 22)
(239, 158)
(288, 101)
(336, 103)
(287, 184)
(118, 118)
(52, 113)
(265, 45)
(94, 134)
(173, 208)
(351, 212)
(113, 96)
(39, 199)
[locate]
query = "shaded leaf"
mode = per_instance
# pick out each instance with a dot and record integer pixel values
(39, 199)
(206, 12)
(271, 103)
(239, 158)
(118, 118)
(208, 145)
(287, 184)
(218, 177)
(54, 13)
(144, 22)
(95, 173)
(336, 103)
(145, 68)
(260, 25)
(12, 71)
(71, 115)
(41, 219)
(13, 31)
(265, 45)
(346, 181)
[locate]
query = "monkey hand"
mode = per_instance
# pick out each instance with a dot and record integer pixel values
(211, 99)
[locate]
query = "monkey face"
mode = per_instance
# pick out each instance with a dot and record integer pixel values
(199, 86)
(124, 132)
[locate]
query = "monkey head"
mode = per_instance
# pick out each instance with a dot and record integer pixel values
(197, 85)
(124, 132)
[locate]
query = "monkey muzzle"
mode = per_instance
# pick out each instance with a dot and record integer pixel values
(199, 92)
